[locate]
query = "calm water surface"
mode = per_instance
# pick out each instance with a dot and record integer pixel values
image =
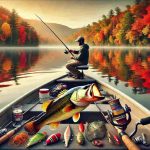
(125, 69)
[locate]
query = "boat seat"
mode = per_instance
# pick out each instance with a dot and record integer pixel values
(83, 67)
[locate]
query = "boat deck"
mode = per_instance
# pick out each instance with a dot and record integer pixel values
(73, 80)
(91, 113)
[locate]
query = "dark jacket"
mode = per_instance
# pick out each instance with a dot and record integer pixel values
(83, 56)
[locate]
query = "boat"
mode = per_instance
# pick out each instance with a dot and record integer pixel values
(32, 107)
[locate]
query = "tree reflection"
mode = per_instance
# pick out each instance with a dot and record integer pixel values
(130, 66)
(13, 62)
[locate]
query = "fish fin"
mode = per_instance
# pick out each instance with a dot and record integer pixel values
(76, 117)
(93, 94)
(60, 116)
(45, 106)
(95, 91)
(54, 125)
(62, 93)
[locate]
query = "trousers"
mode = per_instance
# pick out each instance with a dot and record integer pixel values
(71, 66)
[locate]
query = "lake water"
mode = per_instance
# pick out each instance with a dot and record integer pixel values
(125, 69)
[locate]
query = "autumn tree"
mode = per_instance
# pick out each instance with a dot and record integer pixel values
(131, 26)
(22, 35)
(6, 29)
(27, 30)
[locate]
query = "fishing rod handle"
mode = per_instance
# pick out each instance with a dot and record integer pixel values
(129, 143)
(145, 121)
(7, 136)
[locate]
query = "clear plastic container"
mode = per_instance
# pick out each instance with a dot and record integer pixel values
(17, 115)
(44, 95)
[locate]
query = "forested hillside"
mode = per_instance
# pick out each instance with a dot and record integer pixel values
(15, 31)
(129, 27)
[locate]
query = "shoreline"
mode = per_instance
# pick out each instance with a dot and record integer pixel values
(72, 46)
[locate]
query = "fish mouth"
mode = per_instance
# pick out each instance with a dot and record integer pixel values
(87, 94)
(94, 93)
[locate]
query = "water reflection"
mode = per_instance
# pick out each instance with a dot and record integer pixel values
(130, 66)
(14, 62)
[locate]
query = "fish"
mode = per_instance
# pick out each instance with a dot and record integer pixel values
(80, 138)
(67, 135)
(46, 104)
(54, 138)
(37, 138)
(66, 106)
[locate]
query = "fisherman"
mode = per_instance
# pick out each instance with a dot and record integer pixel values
(81, 59)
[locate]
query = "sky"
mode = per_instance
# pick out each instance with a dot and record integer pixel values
(72, 13)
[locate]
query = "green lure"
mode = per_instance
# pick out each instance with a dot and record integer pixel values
(37, 138)
(80, 138)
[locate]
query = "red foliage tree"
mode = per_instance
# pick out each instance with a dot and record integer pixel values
(146, 19)
(22, 35)
(101, 35)
(138, 25)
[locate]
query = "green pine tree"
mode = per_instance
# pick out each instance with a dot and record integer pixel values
(14, 27)
(126, 25)
(111, 13)
(117, 10)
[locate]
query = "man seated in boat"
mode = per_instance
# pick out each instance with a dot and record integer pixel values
(81, 59)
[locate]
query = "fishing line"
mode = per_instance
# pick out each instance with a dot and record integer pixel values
(55, 35)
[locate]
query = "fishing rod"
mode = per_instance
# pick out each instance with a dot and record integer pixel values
(5, 125)
(56, 35)
(13, 131)
(125, 138)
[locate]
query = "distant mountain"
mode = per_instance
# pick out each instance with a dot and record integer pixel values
(47, 36)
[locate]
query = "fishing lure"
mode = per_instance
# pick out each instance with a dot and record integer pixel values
(80, 138)
(95, 130)
(37, 138)
(117, 141)
(67, 135)
(110, 138)
(97, 143)
(81, 127)
(54, 138)
(19, 139)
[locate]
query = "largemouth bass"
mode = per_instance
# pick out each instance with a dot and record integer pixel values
(66, 106)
